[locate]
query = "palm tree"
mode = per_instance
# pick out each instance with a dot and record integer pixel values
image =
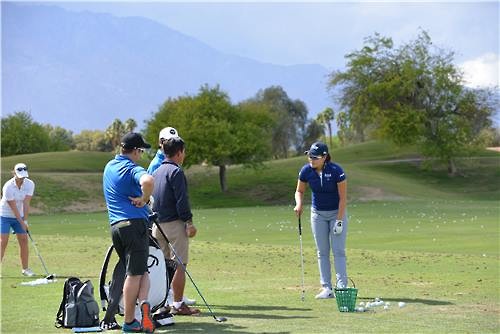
(130, 125)
(115, 132)
(325, 118)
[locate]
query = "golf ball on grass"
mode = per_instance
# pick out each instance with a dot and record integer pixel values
(401, 304)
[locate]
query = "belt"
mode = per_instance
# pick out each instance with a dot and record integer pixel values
(122, 223)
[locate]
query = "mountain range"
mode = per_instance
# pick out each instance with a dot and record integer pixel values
(81, 70)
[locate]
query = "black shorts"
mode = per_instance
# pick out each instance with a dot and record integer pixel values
(131, 242)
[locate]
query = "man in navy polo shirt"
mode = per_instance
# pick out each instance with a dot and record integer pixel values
(328, 184)
(127, 188)
(176, 219)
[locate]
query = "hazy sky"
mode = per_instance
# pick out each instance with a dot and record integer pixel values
(323, 32)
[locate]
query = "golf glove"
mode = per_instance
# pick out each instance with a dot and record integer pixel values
(338, 227)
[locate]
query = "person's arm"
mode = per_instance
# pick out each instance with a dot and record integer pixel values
(147, 184)
(342, 187)
(299, 197)
(179, 184)
(26, 207)
(13, 207)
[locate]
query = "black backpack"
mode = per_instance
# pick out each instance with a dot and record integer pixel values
(78, 306)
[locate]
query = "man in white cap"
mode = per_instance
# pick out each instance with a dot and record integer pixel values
(165, 135)
(14, 211)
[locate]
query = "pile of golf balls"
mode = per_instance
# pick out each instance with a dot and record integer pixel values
(362, 306)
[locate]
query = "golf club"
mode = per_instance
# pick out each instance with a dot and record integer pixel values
(154, 218)
(301, 260)
(49, 276)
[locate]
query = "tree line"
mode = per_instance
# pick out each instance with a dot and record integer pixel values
(22, 135)
(412, 95)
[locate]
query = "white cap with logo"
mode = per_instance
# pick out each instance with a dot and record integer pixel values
(21, 170)
(167, 133)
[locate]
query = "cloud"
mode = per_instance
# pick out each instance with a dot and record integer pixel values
(482, 71)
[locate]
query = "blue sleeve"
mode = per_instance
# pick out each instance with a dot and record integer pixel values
(341, 175)
(137, 172)
(156, 162)
(303, 173)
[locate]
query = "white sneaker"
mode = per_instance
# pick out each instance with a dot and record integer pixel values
(188, 301)
(170, 298)
(28, 272)
(325, 293)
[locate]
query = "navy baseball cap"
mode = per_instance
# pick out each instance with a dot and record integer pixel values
(317, 150)
(133, 140)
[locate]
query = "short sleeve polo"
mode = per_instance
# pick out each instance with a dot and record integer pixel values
(10, 192)
(325, 194)
(120, 181)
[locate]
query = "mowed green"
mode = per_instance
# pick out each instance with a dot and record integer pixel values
(439, 257)
(415, 236)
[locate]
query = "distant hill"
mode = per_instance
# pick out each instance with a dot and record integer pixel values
(82, 70)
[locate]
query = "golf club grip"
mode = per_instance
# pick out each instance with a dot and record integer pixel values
(300, 227)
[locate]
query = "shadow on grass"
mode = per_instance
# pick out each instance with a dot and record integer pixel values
(259, 308)
(255, 312)
(248, 312)
(226, 327)
(411, 300)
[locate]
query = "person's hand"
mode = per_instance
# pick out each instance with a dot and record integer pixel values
(138, 202)
(298, 210)
(191, 230)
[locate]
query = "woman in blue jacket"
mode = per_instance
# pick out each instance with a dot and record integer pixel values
(328, 184)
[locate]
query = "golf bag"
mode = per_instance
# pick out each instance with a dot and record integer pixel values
(161, 272)
(78, 307)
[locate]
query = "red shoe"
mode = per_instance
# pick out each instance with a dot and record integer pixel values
(147, 321)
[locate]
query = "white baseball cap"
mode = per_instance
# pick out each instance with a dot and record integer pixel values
(167, 133)
(21, 170)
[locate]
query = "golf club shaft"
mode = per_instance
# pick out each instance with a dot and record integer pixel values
(301, 259)
(185, 269)
(37, 252)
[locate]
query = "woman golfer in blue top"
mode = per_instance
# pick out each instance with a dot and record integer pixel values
(328, 214)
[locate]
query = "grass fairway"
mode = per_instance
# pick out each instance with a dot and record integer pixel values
(441, 257)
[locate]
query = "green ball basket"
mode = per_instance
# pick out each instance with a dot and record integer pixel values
(346, 298)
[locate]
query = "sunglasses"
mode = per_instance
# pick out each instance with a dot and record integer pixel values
(20, 169)
(314, 158)
(141, 150)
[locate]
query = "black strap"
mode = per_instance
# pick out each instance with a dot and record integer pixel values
(102, 277)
